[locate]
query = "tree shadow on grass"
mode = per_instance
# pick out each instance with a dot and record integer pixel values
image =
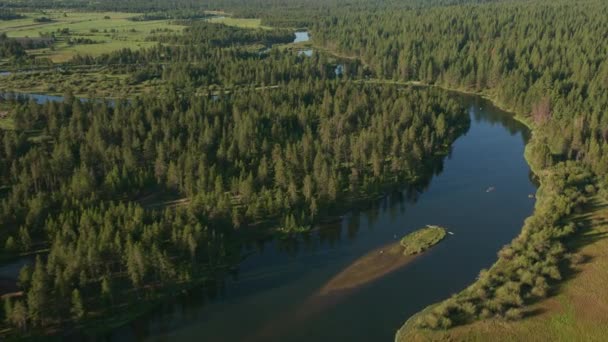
(588, 232)
(596, 215)
(533, 312)
(570, 266)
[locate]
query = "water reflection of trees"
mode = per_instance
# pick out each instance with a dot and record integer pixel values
(392, 202)
(484, 110)
(327, 235)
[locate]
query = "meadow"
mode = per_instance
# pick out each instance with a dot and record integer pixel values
(108, 30)
(253, 23)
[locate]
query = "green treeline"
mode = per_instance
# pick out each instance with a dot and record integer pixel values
(251, 8)
(75, 175)
(7, 14)
(222, 35)
(10, 48)
(212, 55)
(172, 14)
(545, 59)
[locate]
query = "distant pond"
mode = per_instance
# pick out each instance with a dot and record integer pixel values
(301, 36)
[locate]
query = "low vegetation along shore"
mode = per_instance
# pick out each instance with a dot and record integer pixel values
(574, 311)
(528, 270)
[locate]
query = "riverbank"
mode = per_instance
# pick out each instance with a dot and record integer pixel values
(432, 159)
(479, 313)
(576, 311)
(483, 94)
(297, 269)
(411, 329)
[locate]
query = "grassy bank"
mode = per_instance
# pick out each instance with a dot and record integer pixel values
(522, 294)
(576, 311)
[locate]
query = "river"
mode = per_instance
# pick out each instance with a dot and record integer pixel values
(39, 98)
(480, 192)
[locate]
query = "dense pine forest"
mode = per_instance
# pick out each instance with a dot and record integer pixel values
(238, 134)
(545, 60)
(209, 56)
(91, 182)
(555, 73)
(10, 48)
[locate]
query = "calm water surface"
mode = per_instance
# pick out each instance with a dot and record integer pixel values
(302, 36)
(274, 296)
(306, 52)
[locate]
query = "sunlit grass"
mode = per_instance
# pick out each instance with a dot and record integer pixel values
(110, 30)
(239, 22)
(577, 312)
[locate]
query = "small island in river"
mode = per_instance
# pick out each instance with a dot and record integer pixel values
(385, 260)
(422, 239)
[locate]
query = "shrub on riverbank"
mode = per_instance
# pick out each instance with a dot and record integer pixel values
(528, 266)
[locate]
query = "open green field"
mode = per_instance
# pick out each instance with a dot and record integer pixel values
(110, 30)
(239, 22)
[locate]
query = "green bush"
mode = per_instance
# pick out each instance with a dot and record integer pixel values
(513, 314)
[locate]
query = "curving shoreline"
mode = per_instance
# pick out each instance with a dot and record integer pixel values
(296, 312)
(566, 223)
(404, 333)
